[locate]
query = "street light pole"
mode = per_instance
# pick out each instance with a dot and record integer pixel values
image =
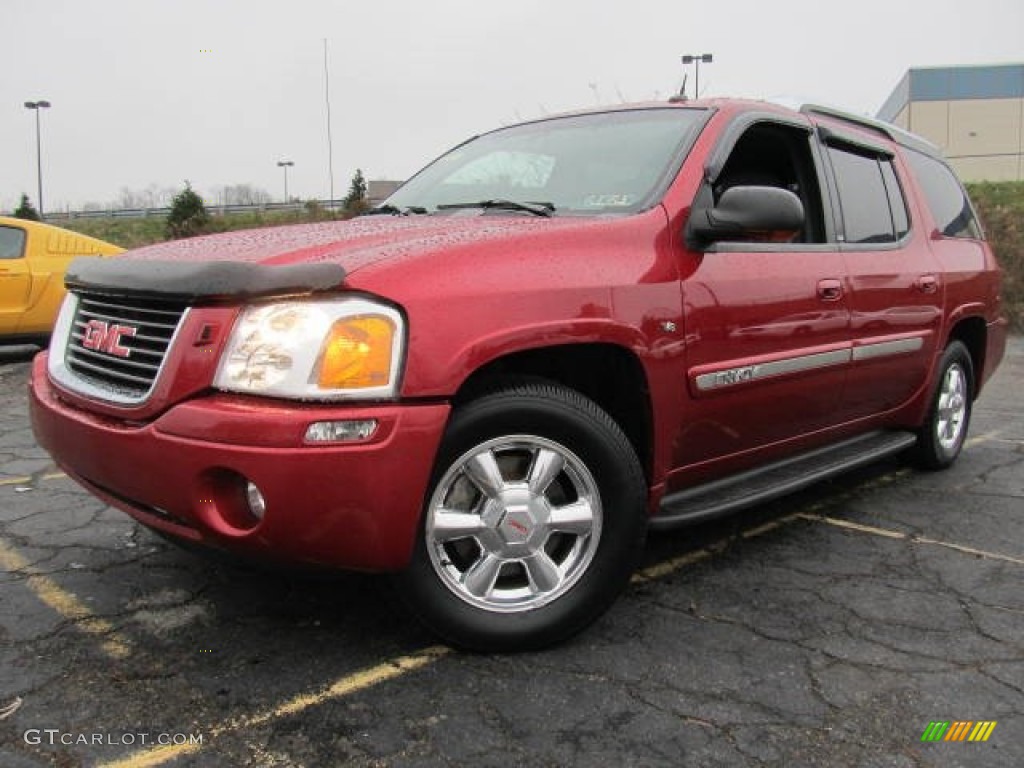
(330, 148)
(37, 105)
(285, 164)
(696, 59)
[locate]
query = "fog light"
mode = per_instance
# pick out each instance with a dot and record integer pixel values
(352, 430)
(257, 504)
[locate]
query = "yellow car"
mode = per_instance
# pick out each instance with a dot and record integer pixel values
(33, 258)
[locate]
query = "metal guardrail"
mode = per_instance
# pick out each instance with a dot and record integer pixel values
(213, 210)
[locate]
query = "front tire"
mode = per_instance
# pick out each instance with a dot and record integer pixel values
(534, 522)
(941, 437)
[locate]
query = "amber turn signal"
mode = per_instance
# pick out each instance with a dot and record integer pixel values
(357, 353)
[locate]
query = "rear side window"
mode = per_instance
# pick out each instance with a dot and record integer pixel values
(946, 199)
(864, 197)
(12, 243)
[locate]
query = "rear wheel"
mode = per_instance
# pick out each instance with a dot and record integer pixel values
(534, 522)
(942, 436)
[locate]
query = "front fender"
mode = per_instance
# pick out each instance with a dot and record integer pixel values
(482, 351)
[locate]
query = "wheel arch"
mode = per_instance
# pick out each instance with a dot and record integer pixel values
(972, 332)
(609, 374)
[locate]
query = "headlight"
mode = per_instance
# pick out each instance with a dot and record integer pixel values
(316, 350)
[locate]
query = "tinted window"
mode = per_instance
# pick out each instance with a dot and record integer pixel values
(12, 243)
(862, 197)
(946, 199)
(897, 204)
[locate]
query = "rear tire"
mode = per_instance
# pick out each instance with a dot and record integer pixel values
(534, 521)
(941, 437)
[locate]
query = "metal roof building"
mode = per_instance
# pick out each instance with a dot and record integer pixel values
(974, 114)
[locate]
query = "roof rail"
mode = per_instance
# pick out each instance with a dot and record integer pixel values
(890, 131)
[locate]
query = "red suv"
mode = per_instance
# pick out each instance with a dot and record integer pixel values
(556, 335)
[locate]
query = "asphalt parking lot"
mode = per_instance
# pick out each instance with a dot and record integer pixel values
(829, 629)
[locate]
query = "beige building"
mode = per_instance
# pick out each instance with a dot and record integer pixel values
(974, 114)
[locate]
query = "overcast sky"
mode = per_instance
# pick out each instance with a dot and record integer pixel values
(217, 91)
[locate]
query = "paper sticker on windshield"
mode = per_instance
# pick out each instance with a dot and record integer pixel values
(608, 201)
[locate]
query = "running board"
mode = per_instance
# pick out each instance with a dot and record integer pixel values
(762, 484)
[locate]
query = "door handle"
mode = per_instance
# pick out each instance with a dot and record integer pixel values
(830, 289)
(927, 284)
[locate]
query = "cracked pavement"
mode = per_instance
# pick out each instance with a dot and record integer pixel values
(826, 629)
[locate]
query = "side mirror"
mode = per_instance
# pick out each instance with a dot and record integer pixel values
(747, 213)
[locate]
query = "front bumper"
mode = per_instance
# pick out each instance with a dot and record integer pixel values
(352, 506)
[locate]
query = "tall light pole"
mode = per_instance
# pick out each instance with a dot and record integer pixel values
(330, 148)
(37, 105)
(286, 164)
(696, 59)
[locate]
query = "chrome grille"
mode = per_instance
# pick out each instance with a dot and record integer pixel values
(118, 344)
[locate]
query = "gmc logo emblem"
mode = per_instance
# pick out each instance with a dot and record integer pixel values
(105, 337)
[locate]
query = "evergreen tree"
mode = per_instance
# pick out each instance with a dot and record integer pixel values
(26, 210)
(188, 216)
(355, 201)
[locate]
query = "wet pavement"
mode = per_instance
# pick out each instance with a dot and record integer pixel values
(828, 629)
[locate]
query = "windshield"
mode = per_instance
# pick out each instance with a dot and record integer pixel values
(611, 162)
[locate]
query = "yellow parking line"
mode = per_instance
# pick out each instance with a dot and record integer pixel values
(666, 567)
(985, 438)
(662, 569)
(16, 480)
(27, 479)
(344, 686)
(155, 756)
(852, 526)
(889, 534)
(65, 603)
(768, 527)
(968, 550)
(359, 681)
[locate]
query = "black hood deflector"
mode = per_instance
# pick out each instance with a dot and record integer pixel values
(198, 282)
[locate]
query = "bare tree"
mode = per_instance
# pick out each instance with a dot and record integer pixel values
(153, 196)
(128, 198)
(242, 194)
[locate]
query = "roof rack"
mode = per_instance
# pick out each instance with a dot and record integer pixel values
(888, 130)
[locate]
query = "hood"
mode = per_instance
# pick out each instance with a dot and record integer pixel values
(355, 243)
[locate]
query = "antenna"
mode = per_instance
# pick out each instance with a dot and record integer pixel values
(681, 96)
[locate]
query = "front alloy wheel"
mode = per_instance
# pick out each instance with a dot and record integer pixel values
(514, 523)
(534, 522)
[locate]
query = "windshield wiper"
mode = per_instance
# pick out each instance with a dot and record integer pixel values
(537, 209)
(394, 210)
